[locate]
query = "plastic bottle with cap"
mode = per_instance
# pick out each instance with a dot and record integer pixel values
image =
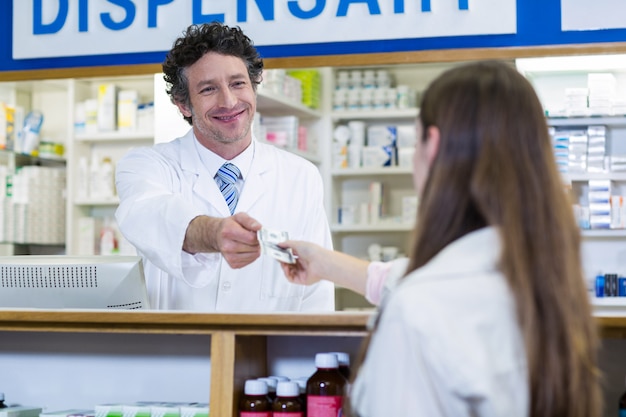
(2, 404)
(255, 402)
(343, 358)
(271, 387)
(325, 389)
(302, 386)
(287, 402)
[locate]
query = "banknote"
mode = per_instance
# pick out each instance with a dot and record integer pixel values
(269, 239)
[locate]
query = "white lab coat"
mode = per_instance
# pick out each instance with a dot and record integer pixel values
(448, 342)
(162, 188)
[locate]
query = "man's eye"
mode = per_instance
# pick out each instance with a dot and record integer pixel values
(207, 90)
(239, 84)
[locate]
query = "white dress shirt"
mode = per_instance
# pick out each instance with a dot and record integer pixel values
(448, 342)
(162, 188)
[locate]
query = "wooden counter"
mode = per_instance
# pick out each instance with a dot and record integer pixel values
(239, 342)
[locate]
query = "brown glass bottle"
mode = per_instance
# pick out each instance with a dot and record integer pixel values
(287, 403)
(325, 388)
(343, 358)
(255, 402)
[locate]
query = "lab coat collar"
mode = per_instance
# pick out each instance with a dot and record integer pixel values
(206, 188)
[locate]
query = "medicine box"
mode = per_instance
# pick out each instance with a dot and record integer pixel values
(195, 410)
(107, 107)
(20, 411)
(109, 410)
(69, 413)
(127, 102)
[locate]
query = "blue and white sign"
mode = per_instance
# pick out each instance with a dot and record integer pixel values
(599, 14)
(61, 28)
(47, 34)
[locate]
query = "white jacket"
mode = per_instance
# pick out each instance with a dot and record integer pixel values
(162, 188)
(448, 342)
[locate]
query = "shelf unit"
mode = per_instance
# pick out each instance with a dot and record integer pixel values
(100, 354)
(239, 347)
(601, 249)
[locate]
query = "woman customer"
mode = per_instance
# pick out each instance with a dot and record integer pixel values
(491, 316)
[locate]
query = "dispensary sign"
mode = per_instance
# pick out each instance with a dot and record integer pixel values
(58, 28)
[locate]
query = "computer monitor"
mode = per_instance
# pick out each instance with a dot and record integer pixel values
(59, 281)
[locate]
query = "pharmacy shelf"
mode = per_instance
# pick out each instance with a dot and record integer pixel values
(613, 176)
(271, 104)
(386, 114)
(115, 136)
(619, 120)
(604, 233)
(366, 172)
(114, 201)
(381, 227)
(241, 346)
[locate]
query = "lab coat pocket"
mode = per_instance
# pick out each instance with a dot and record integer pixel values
(200, 269)
(274, 284)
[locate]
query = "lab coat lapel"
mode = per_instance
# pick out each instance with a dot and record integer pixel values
(256, 183)
(204, 186)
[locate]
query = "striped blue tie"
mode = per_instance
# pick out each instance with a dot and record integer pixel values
(226, 177)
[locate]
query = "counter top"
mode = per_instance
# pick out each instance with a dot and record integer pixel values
(181, 322)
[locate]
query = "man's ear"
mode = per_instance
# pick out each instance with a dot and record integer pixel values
(432, 143)
(186, 111)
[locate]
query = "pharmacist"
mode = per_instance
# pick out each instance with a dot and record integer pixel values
(192, 206)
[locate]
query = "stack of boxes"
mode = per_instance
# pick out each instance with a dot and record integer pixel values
(602, 92)
(152, 409)
(310, 85)
(113, 109)
(33, 206)
(599, 197)
(374, 145)
(278, 82)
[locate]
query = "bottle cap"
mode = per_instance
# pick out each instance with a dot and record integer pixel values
(343, 358)
(326, 360)
(301, 384)
(255, 387)
(287, 389)
(279, 378)
(271, 383)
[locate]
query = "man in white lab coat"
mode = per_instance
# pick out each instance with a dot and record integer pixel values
(197, 234)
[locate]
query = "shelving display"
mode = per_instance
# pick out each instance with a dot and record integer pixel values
(200, 357)
(584, 101)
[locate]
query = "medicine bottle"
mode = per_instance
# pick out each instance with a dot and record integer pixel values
(325, 388)
(2, 404)
(287, 403)
(271, 387)
(255, 402)
(343, 358)
(302, 385)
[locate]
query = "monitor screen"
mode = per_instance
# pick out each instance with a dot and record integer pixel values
(59, 281)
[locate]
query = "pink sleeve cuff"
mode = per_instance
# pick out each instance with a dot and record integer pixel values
(377, 273)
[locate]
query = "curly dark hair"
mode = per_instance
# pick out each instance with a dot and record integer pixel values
(198, 40)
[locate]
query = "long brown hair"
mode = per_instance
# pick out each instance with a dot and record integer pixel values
(495, 167)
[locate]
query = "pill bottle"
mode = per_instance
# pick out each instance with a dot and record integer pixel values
(287, 403)
(302, 386)
(325, 388)
(271, 387)
(343, 358)
(2, 404)
(255, 402)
